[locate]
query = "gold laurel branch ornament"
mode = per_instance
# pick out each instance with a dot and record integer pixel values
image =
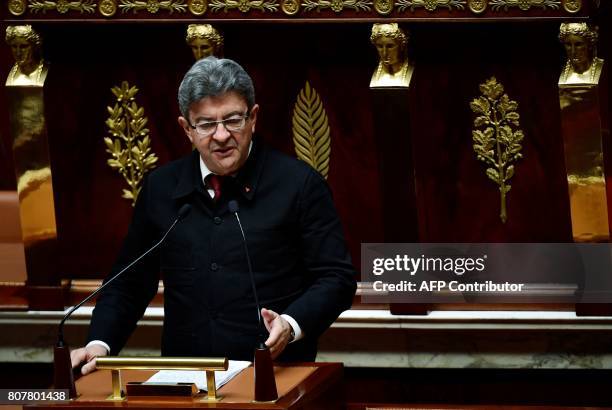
(337, 5)
(153, 6)
(497, 145)
(129, 144)
(311, 130)
(63, 6)
(524, 5)
(430, 5)
(17, 7)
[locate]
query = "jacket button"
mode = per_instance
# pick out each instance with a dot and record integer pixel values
(217, 220)
(214, 266)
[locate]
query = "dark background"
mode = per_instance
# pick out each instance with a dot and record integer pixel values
(455, 201)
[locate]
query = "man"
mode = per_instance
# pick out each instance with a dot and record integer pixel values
(302, 269)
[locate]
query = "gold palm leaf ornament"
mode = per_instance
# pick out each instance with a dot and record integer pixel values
(311, 135)
(129, 146)
(496, 143)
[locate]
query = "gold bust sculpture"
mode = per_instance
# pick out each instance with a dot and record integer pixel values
(394, 69)
(29, 68)
(582, 65)
(204, 41)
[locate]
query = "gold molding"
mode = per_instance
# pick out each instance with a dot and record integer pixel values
(497, 145)
(311, 135)
(197, 7)
(153, 6)
(384, 7)
(243, 5)
(130, 149)
(290, 7)
(337, 5)
(430, 5)
(17, 7)
(63, 6)
(524, 4)
(477, 6)
(107, 8)
(572, 6)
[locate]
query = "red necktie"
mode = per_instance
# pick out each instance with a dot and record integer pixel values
(215, 182)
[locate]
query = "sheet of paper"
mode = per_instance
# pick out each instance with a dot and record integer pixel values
(199, 377)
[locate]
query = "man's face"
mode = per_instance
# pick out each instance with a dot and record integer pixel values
(201, 48)
(388, 51)
(223, 152)
(579, 52)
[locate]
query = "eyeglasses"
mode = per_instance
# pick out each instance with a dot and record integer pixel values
(234, 123)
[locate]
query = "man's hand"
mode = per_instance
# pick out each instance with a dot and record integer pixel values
(280, 331)
(88, 355)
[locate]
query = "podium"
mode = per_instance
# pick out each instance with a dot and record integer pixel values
(300, 386)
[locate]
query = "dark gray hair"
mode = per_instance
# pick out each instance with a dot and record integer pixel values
(212, 76)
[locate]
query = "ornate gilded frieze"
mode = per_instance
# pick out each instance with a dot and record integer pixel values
(430, 5)
(63, 6)
(496, 143)
(524, 4)
(366, 8)
(153, 6)
(129, 143)
(311, 135)
(243, 5)
(337, 5)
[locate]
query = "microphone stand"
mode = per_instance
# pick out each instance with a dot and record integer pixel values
(63, 375)
(263, 370)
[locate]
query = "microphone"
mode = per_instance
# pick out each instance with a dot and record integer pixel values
(233, 208)
(64, 379)
(265, 384)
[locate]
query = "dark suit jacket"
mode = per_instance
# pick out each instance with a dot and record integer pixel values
(300, 262)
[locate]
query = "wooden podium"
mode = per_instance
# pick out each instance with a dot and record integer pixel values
(300, 386)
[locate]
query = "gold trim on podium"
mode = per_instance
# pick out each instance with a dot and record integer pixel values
(207, 364)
